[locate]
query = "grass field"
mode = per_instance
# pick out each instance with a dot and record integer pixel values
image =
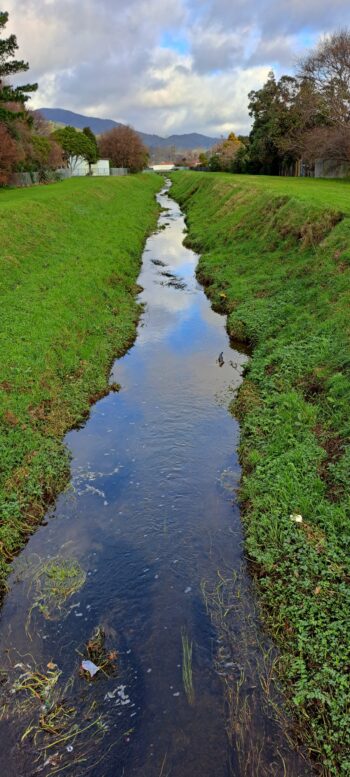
(276, 259)
(70, 257)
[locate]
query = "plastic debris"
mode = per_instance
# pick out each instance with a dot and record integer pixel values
(90, 667)
(296, 518)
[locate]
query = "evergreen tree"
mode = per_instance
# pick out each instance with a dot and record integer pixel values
(89, 134)
(75, 144)
(12, 98)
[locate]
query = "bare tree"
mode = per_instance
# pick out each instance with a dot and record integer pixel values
(124, 148)
(328, 69)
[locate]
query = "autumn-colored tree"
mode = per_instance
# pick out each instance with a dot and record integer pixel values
(224, 153)
(10, 154)
(124, 148)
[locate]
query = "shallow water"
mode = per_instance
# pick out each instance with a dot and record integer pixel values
(151, 516)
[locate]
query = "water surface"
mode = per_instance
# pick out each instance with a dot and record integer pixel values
(152, 518)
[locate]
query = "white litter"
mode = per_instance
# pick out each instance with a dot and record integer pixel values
(90, 667)
(296, 518)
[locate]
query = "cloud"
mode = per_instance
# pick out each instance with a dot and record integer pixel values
(214, 50)
(164, 65)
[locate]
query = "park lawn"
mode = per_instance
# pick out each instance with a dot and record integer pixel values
(331, 193)
(276, 259)
(70, 256)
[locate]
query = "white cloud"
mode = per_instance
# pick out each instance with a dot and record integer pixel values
(109, 58)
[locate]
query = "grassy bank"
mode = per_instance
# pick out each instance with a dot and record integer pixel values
(70, 257)
(276, 259)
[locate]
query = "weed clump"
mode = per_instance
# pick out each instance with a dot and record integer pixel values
(95, 652)
(55, 582)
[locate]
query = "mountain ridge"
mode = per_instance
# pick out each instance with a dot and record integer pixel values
(186, 141)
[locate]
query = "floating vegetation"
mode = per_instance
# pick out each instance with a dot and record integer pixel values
(60, 720)
(250, 677)
(56, 727)
(177, 283)
(167, 274)
(187, 667)
(158, 263)
(96, 655)
(34, 686)
(55, 582)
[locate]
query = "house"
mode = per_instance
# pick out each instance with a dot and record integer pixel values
(79, 167)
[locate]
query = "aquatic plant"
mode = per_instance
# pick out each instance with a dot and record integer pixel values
(55, 581)
(187, 667)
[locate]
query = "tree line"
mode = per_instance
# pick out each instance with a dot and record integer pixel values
(296, 118)
(27, 141)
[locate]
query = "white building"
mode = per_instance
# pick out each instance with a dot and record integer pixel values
(163, 168)
(80, 167)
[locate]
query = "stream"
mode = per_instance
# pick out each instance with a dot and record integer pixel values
(145, 550)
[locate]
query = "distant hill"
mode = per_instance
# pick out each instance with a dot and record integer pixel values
(186, 142)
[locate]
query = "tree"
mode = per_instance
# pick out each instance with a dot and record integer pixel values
(75, 145)
(10, 154)
(12, 99)
(46, 154)
(326, 70)
(93, 156)
(269, 107)
(203, 159)
(224, 153)
(124, 148)
(241, 160)
(283, 111)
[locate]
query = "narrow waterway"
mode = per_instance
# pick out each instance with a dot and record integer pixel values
(150, 531)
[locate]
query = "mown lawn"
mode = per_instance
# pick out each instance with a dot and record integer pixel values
(69, 259)
(331, 193)
(276, 259)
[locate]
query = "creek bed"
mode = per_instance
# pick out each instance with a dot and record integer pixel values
(144, 552)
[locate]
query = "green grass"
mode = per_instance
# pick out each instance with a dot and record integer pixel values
(70, 257)
(276, 259)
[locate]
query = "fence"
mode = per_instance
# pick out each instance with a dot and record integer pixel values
(28, 179)
(24, 179)
(63, 173)
(119, 170)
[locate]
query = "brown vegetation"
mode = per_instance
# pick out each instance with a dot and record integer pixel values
(123, 147)
(10, 154)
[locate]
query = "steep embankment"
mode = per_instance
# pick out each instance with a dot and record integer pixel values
(276, 259)
(70, 257)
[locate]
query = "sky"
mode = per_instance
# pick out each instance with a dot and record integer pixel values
(165, 66)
